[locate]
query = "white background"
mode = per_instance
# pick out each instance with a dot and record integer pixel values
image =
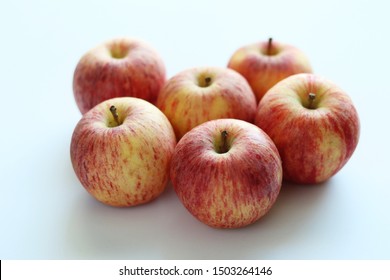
(45, 212)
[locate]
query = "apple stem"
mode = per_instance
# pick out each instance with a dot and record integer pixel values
(207, 81)
(269, 49)
(224, 147)
(114, 114)
(312, 96)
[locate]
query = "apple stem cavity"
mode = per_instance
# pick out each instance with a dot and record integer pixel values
(224, 146)
(312, 97)
(204, 81)
(207, 81)
(115, 114)
(269, 48)
(118, 52)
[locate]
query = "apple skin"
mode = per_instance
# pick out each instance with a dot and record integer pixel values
(232, 189)
(123, 165)
(314, 143)
(263, 67)
(117, 68)
(188, 99)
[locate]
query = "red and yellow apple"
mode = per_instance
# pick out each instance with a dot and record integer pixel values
(227, 173)
(121, 151)
(314, 125)
(200, 94)
(118, 68)
(264, 64)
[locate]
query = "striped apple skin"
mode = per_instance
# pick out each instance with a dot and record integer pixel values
(314, 143)
(121, 67)
(187, 101)
(263, 70)
(127, 164)
(232, 189)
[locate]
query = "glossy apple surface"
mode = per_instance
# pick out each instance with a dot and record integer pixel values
(227, 173)
(264, 64)
(200, 94)
(118, 68)
(314, 125)
(123, 160)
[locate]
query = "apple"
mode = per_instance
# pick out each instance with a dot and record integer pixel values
(201, 94)
(121, 151)
(314, 125)
(227, 173)
(264, 64)
(117, 68)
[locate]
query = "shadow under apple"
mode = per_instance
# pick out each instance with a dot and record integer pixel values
(164, 229)
(98, 231)
(287, 222)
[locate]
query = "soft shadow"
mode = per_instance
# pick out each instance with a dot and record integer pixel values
(164, 229)
(98, 231)
(284, 224)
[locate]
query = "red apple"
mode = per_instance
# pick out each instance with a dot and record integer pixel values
(117, 68)
(266, 63)
(314, 125)
(121, 150)
(227, 173)
(200, 94)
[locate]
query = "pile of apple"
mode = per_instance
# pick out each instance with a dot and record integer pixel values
(225, 137)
